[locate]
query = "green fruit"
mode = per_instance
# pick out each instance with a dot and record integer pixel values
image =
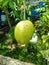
(23, 32)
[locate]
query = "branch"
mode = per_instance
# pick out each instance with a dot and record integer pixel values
(7, 14)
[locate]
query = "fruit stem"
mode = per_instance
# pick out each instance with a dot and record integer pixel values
(24, 9)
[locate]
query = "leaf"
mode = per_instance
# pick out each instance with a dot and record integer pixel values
(5, 2)
(11, 4)
(45, 54)
(1, 1)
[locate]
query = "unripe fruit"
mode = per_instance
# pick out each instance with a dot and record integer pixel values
(23, 31)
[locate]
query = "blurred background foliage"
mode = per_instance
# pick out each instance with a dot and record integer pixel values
(34, 52)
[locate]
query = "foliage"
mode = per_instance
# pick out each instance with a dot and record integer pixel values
(42, 30)
(32, 52)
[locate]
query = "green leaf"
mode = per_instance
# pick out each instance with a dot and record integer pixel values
(1, 1)
(11, 4)
(5, 3)
(45, 54)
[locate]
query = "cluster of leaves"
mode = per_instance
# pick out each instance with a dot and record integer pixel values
(12, 8)
(42, 30)
(29, 53)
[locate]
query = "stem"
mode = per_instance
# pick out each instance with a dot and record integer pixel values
(24, 10)
(6, 11)
(47, 56)
(8, 20)
(7, 14)
(47, 62)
